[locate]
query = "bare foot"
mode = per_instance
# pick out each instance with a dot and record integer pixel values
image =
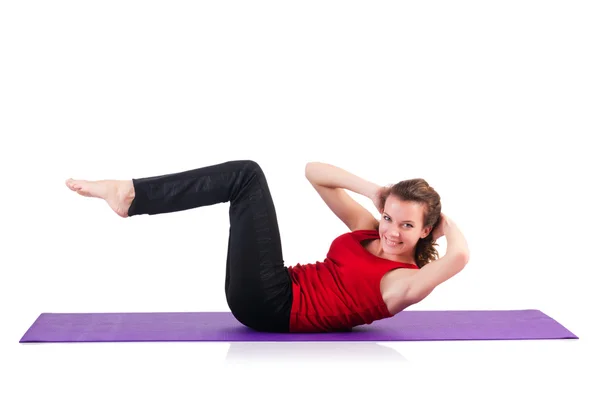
(118, 194)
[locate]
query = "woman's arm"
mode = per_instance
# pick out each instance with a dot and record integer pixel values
(333, 177)
(330, 181)
(456, 244)
(423, 282)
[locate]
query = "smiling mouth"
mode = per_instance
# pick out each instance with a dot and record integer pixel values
(392, 243)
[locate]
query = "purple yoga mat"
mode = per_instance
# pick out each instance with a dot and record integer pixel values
(222, 326)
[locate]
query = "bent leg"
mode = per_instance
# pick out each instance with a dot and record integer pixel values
(257, 284)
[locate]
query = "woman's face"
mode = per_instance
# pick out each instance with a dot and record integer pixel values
(401, 223)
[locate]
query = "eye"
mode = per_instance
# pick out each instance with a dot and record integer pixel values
(387, 219)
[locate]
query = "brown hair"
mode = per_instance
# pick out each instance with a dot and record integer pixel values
(418, 190)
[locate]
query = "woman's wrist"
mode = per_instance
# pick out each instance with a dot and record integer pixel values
(372, 190)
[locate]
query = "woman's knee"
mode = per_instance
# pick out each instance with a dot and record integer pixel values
(248, 169)
(252, 167)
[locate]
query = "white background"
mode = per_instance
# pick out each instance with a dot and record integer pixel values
(495, 104)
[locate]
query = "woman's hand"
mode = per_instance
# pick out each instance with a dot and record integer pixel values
(440, 229)
(376, 198)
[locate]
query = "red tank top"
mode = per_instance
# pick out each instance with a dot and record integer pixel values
(343, 291)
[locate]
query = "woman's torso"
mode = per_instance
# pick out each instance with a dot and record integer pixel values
(352, 286)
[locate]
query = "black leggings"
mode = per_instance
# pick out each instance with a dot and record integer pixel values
(257, 285)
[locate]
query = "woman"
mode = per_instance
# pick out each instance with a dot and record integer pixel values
(372, 272)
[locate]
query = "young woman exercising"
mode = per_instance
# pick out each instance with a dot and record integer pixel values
(376, 270)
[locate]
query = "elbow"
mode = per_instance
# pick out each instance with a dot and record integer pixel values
(310, 170)
(463, 257)
(458, 260)
(307, 169)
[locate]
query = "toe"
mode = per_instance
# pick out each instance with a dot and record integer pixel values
(72, 184)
